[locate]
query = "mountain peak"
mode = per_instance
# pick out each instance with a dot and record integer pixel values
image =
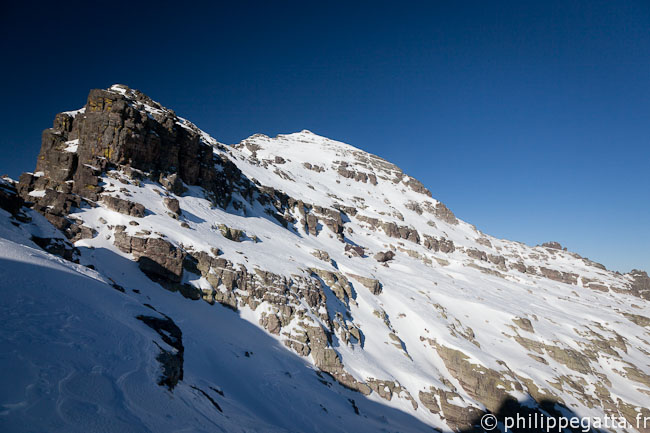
(333, 258)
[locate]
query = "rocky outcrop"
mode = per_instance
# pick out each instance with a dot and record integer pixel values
(371, 284)
(122, 128)
(384, 256)
(488, 386)
(562, 277)
(122, 206)
(553, 245)
(391, 229)
(459, 418)
(640, 283)
(9, 198)
(173, 205)
(443, 213)
(337, 283)
(156, 257)
(11, 202)
(171, 361)
(417, 186)
(443, 245)
(235, 235)
(476, 254)
(386, 389)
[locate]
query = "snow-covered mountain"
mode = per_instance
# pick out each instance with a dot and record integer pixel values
(339, 294)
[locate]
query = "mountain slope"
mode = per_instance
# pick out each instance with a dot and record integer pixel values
(348, 266)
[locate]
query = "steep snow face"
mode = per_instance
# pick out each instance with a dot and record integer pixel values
(337, 262)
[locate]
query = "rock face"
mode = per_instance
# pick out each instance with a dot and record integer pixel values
(125, 207)
(170, 360)
(553, 245)
(155, 256)
(640, 283)
(342, 257)
(172, 205)
(371, 283)
(384, 256)
(122, 128)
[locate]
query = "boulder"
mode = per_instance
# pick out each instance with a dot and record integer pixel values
(122, 206)
(371, 284)
(173, 205)
(384, 256)
(156, 257)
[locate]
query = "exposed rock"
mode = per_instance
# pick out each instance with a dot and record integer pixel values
(122, 206)
(428, 400)
(555, 275)
(499, 261)
(384, 256)
(312, 224)
(172, 204)
(483, 384)
(640, 283)
(372, 284)
(9, 198)
(524, 324)
(354, 250)
(172, 183)
(553, 245)
(271, 323)
(638, 319)
(231, 234)
(417, 186)
(155, 256)
(58, 247)
(443, 245)
(594, 284)
(337, 283)
(321, 255)
(171, 361)
(476, 254)
(387, 388)
(443, 213)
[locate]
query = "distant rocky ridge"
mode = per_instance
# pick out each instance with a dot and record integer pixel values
(102, 156)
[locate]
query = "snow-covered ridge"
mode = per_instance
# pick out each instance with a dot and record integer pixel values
(342, 262)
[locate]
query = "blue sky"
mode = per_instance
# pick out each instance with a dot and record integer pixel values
(530, 120)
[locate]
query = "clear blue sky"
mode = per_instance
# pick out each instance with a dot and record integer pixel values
(529, 119)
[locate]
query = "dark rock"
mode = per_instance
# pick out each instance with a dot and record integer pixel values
(172, 183)
(555, 275)
(231, 234)
(9, 198)
(354, 250)
(171, 361)
(156, 257)
(384, 256)
(122, 206)
(443, 213)
(477, 254)
(58, 247)
(640, 283)
(172, 204)
(372, 284)
(312, 224)
(553, 245)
